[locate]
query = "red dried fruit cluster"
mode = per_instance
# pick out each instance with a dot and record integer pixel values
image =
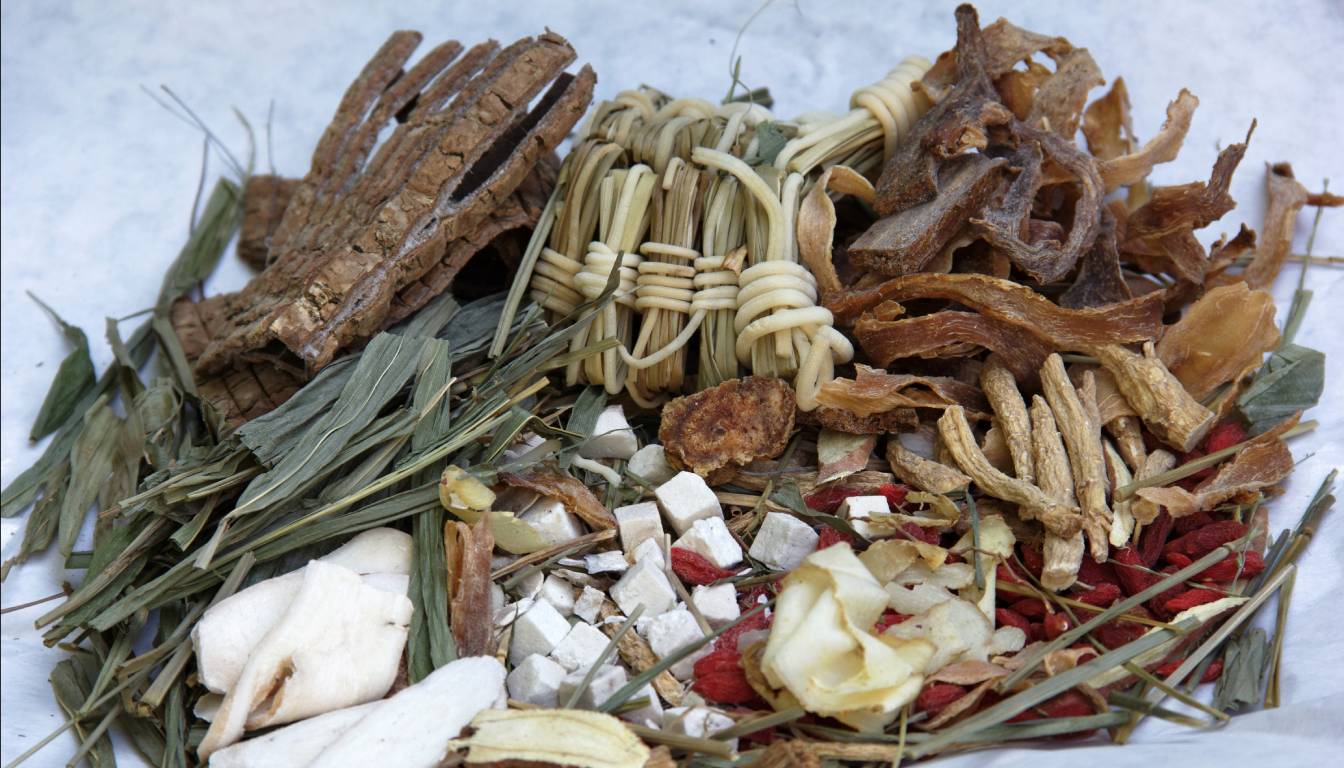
(1202, 541)
(830, 537)
(1224, 434)
(695, 568)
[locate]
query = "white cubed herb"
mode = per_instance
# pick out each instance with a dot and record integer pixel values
(612, 436)
(710, 537)
(638, 523)
(581, 647)
(550, 519)
(687, 498)
(651, 550)
(669, 633)
(718, 604)
(538, 630)
(606, 681)
(559, 593)
(651, 714)
(859, 510)
(535, 680)
(650, 463)
(783, 541)
(588, 605)
(697, 722)
(611, 561)
(644, 584)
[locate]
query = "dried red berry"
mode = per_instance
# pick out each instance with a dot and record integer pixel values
(728, 640)
(1067, 704)
(935, 698)
(829, 537)
(1005, 573)
(1224, 434)
(1101, 595)
(1158, 604)
(695, 568)
(1057, 624)
(1095, 574)
(1037, 632)
(1211, 673)
(1033, 560)
(1183, 525)
(1246, 566)
(719, 678)
(1189, 599)
(1154, 538)
(827, 500)
(751, 597)
(1031, 607)
(1129, 569)
(920, 533)
(1178, 560)
(1202, 541)
(895, 493)
(887, 619)
(1114, 634)
(1007, 617)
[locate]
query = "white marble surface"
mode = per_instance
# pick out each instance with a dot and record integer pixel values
(97, 182)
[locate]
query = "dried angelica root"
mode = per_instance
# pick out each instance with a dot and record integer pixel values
(1063, 555)
(780, 329)
(1010, 414)
(1082, 438)
(881, 115)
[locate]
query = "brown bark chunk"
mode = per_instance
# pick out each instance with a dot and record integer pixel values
(716, 430)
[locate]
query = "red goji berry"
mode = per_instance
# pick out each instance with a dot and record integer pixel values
(920, 533)
(828, 500)
(1101, 595)
(1037, 632)
(1158, 604)
(935, 698)
(1095, 574)
(1246, 566)
(750, 598)
(1067, 704)
(1178, 560)
(1007, 617)
(1114, 634)
(1030, 607)
(1189, 599)
(1057, 624)
(1224, 434)
(1004, 572)
(894, 492)
(830, 537)
(728, 640)
(1202, 541)
(1211, 673)
(887, 619)
(1183, 525)
(1033, 560)
(1153, 539)
(719, 678)
(1129, 568)
(695, 568)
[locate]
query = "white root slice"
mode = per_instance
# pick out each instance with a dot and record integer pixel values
(554, 737)
(339, 644)
(415, 728)
(225, 636)
(294, 746)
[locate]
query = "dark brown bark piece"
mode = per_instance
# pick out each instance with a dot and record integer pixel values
(265, 198)
(1099, 281)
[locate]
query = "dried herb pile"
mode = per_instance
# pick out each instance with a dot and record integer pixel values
(1001, 470)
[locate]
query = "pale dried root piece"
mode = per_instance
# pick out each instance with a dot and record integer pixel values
(924, 474)
(1063, 554)
(636, 651)
(1128, 437)
(1122, 516)
(1010, 415)
(552, 737)
(960, 443)
(788, 753)
(1082, 439)
(1168, 411)
(1157, 462)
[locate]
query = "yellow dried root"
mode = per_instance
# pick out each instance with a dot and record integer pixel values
(1010, 415)
(1168, 411)
(1063, 555)
(926, 475)
(1082, 439)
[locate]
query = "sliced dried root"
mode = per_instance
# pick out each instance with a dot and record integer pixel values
(1165, 407)
(1082, 439)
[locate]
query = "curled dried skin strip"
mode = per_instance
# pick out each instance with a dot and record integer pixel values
(1010, 416)
(1165, 407)
(1082, 439)
(874, 391)
(1138, 319)
(955, 432)
(548, 481)
(924, 474)
(468, 550)
(1059, 101)
(1221, 337)
(1144, 510)
(1286, 198)
(1107, 125)
(1127, 169)
(816, 222)
(1063, 555)
(951, 334)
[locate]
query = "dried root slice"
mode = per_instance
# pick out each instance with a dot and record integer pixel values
(1221, 337)
(1286, 198)
(874, 391)
(788, 754)
(922, 473)
(1262, 463)
(1062, 518)
(1063, 554)
(717, 430)
(1082, 438)
(1010, 416)
(553, 737)
(1165, 407)
(294, 746)
(1157, 462)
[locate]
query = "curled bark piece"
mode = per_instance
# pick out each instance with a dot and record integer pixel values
(1286, 198)
(908, 240)
(1062, 518)
(816, 222)
(1124, 170)
(924, 474)
(717, 430)
(1058, 106)
(1082, 439)
(948, 334)
(1144, 510)
(1107, 126)
(1099, 281)
(265, 198)
(549, 481)
(1165, 407)
(1063, 555)
(1010, 415)
(1138, 319)
(468, 558)
(1221, 337)
(874, 391)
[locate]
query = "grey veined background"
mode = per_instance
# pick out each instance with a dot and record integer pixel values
(97, 183)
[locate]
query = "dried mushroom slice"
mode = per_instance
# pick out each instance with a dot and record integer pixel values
(359, 230)
(717, 430)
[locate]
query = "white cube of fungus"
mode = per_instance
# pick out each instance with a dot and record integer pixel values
(650, 463)
(530, 585)
(859, 509)
(710, 537)
(535, 680)
(559, 593)
(538, 630)
(588, 605)
(556, 525)
(611, 561)
(607, 680)
(509, 612)
(783, 541)
(638, 523)
(697, 722)
(671, 632)
(718, 604)
(652, 550)
(644, 583)
(612, 436)
(687, 498)
(651, 714)
(497, 598)
(581, 647)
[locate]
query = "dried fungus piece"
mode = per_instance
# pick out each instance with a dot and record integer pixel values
(1222, 337)
(924, 474)
(874, 391)
(1165, 407)
(360, 229)
(717, 430)
(960, 442)
(546, 480)
(552, 737)
(1082, 439)
(265, 197)
(1127, 169)
(468, 559)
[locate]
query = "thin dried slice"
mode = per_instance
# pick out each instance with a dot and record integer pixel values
(841, 420)
(1082, 439)
(468, 559)
(952, 334)
(547, 480)
(1165, 406)
(924, 474)
(873, 391)
(552, 737)
(1059, 517)
(265, 197)
(816, 222)
(1005, 45)
(1286, 198)
(1059, 101)
(1125, 169)
(1107, 125)
(1264, 462)
(1144, 510)
(1221, 337)
(717, 430)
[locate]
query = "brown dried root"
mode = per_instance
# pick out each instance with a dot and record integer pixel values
(1062, 518)
(1010, 416)
(1165, 407)
(468, 550)
(1082, 438)
(578, 500)
(1128, 169)
(1063, 555)
(1262, 463)
(1286, 198)
(926, 475)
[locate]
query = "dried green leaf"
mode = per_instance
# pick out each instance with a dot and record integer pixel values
(41, 526)
(273, 435)
(770, 139)
(1244, 662)
(74, 380)
(91, 460)
(1290, 381)
(430, 644)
